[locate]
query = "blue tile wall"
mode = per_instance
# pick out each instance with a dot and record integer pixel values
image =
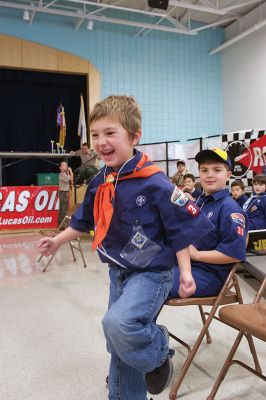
(175, 81)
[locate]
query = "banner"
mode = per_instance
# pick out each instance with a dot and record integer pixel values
(61, 122)
(28, 207)
(82, 128)
(246, 151)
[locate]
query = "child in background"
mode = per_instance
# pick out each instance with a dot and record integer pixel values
(65, 182)
(178, 178)
(142, 225)
(189, 187)
(255, 206)
(214, 254)
(238, 192)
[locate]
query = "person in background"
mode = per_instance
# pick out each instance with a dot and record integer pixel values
(89, 163)
(65, 182)
(189, 187)
(264, 167)
(213, 255)
(255, 206)
(238, 192)
(142, 226)
(178, 177)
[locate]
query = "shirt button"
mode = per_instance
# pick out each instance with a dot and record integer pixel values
(137, 222)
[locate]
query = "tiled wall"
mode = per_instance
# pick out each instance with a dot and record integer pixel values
(176, 82)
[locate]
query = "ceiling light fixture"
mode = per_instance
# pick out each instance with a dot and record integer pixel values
(90, 25)
(26, 15)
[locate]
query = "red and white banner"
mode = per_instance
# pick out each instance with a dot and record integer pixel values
(28, 207)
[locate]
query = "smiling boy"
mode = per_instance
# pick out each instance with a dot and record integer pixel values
(142, 226)
(214, 254)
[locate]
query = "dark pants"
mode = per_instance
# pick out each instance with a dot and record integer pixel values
(85, 173)
(63, 205)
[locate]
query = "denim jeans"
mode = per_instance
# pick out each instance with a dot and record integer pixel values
(136, 344)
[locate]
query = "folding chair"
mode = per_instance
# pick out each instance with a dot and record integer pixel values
(249, 319)
(230, 293)
(74, 244)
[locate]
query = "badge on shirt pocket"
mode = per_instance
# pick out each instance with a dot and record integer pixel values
(140, 250)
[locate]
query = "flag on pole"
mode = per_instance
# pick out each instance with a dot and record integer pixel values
(61, 122)
(82, 128)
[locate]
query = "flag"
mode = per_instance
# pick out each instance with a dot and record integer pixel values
(82, 128)
(61, 122)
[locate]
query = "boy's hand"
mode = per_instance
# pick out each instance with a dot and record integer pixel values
(48, 245)
(187, 285)
(194, 253)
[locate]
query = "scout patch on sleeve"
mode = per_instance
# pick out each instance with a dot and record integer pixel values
(240, 230)
(254, 208)
(239, 219)
(192, 209)
(178, 197)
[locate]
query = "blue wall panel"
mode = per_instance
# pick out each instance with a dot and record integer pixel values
(173, 78)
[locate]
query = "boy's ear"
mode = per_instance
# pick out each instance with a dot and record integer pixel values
(229, 174)
(137, 137)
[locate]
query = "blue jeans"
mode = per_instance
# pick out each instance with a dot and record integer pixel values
(136, 344)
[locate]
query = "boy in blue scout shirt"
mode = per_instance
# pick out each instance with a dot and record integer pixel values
(214, 254)
(238, 192)
(142, 225)
(255, 206)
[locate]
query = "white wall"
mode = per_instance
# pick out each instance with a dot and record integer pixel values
(244, 83)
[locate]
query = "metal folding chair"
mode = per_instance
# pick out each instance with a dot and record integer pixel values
(74, 244)
(230, 293)
(249, 319)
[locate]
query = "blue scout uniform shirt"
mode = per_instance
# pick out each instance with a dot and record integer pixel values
(228, 236)
(242, 199)
(229, 226)
(255, 208)
(143, 205)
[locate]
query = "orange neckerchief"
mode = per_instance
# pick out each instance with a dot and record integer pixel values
(103, 203)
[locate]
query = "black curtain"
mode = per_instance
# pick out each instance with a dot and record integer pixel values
(28, 104)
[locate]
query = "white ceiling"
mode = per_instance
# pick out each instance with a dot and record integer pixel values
(177, 18)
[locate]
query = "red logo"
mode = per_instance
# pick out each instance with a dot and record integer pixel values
(192, 209)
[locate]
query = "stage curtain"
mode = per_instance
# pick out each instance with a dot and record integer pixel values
(28, 104)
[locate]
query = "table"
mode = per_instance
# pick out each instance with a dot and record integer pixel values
(24, 155)
(256, 265)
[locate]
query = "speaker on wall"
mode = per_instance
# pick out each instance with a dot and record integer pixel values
(162, 4)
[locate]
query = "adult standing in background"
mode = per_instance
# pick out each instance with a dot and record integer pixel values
(178, 177)
(89, 163)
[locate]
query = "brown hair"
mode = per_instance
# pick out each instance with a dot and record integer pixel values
(238, 182)
(189, 176)
(259, 178)
(121, 108)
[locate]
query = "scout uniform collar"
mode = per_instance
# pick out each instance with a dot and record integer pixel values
(105, 195)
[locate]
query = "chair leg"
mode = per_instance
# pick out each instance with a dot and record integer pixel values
(72, 251)
(39, 259)
(254, 353)
(49, 262)
(82, 255)
(226, 366)
(202, 314)
(191, 355)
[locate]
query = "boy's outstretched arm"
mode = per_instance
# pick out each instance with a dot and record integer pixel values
(211, 256)
(49, 245)
(187, 285)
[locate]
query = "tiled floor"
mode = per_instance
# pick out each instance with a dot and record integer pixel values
(51, 341)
